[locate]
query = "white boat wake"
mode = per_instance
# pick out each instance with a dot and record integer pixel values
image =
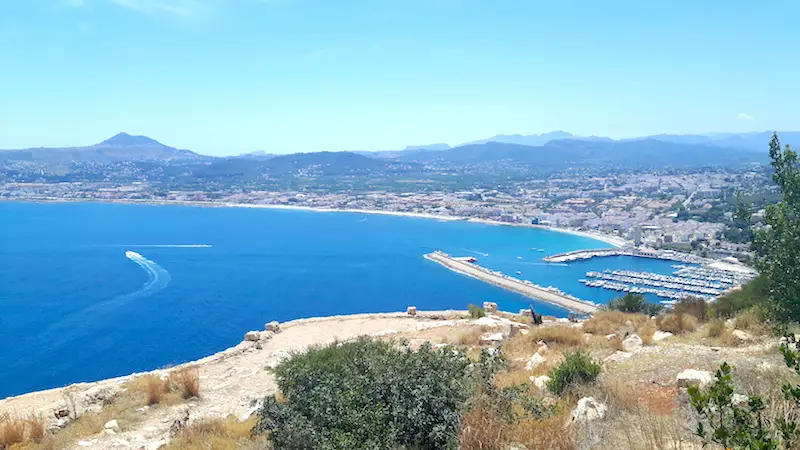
(157, 277)
(476, 252)
(166, 245)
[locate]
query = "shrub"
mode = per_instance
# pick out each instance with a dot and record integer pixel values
(753, 294)
(19, 430)
(675, 323)
(696, 307)
(715, 328)
(577, 368)
(646, 332)
(634, 303)
(156, 389)
(368, 394)
(217, 434)
(475, 311)
(187, 381)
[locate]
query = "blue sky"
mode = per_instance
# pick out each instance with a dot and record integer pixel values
(229, 76)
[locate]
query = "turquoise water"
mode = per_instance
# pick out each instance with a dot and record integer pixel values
(74, 307)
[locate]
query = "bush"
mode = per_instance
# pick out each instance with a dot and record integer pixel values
(634, 303)
(676, 324)
(693, 306)
(156, 389)
(646, 332)
(368, 394)
(753, 294)
(187, 381)
(475, 312)
(577, 368)
(715, 328)
(607, 322)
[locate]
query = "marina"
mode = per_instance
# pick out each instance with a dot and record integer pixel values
(547, 294)
(641, 252)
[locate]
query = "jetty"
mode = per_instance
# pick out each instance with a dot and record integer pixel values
(640, 252)
(524, 287)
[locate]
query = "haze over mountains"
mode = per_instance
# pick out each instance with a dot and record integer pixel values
(549, 151)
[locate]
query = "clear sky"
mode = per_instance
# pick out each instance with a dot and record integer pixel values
(229, 76)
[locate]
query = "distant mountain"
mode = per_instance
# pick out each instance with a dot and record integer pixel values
(756, 141)
(558, 154)
(521, 139)
(333, 163)
(427, 147)
(122, 147)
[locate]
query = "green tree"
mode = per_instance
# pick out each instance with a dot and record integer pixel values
(634, 303)
(778, 243)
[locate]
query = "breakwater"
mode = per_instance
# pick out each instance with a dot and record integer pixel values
(524, 287)
(669, 255)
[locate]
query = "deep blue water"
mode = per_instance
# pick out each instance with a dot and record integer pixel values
(74, 308)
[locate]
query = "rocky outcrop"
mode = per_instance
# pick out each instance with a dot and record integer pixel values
(690, 377)
(588, 409)
(632, 343)
(534, 362)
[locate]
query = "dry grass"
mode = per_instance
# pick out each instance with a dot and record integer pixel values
(219, 434)
(607, 322)
(187, 381)
(646, 331)
(695, 307)
(715, 328)
(677, 323)
(155, 387)
(750, 320)
(12, 430)
(616, 343)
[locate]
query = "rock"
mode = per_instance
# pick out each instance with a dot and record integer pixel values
(85, 443)
(252, 336)
(632, 343)
(524, 331)
(525, 312)
(765, 366)
(516, 447)
(618, 356)
(691, 377)
(491, 338)
(277, 357)
(490, 307)
(411, 310)
(739, 399)
(542, 349)
(112, 425)
(61, 412)
(742, 335)
(273, 326)
(534, 362)
(659, 335)
(540, 382)
(611, 336)
(588, 409)
(442, 345)
(516, 328)
(487, 321)
(155, 445)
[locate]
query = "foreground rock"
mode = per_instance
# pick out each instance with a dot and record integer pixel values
(588, 409)
(632, 343)
(691, 377)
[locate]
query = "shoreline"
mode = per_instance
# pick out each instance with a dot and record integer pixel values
(614, 241)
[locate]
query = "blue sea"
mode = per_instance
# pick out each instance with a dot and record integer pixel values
(74, 307)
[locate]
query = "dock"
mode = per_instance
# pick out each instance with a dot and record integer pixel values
(525, 288)
(668, 255)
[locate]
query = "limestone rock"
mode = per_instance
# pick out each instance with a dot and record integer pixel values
(411, 311)
(618, 356)
(273, 326)
(155, 445)
(691, 377)
(659, 335)
(525, 312)
(632, 343)
(252, 336)
(534, 362)
(490, 307)
(543, 348)
(739, 399)
(742, 335)
(112, 425)
(540, 382)
(491, 338)
(588, 409)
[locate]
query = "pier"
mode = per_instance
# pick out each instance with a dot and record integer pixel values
(524, 287)
(668, 255)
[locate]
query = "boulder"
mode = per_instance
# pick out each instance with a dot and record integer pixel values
(540, 382)
(252, 336)
(411, 310)
(618, 356)
(534, 362)
(743, 335)
(691, 377)
(277, 357)
(632, 343)
(112, 425)
(491, 338)
(659, 335)
(739, 399)
(273, 326)
(542, 348)
(588, 409)
(490, 307)
(525, 312)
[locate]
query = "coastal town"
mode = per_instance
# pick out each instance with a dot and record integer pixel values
(687, 212)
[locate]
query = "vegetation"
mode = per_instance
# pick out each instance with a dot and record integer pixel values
(634, 303)
(754, 294)
(369, 394)
(778, 244)
(676, 323)
(476, 312)
(577, 368)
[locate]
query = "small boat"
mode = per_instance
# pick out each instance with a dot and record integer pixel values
(519, 257)
(541, 249)
(519, 272)
(533, 249)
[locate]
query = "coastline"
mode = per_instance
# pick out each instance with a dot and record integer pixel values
(614, 241)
